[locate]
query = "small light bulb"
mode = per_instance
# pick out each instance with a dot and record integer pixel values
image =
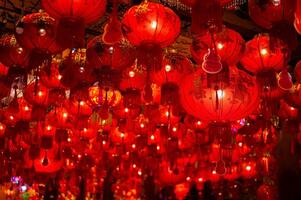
(42, 32)
(248, 168)
(167, 68)
(154, 24)
(152, 137)
(131, 74)
(264, 52)
(126, 110)
(20, 50)
(220, 46)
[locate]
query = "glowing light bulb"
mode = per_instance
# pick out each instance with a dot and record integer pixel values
(42, 32)
(133, 146)
(167, 68)
(1, 127)
(11, 117)
(220, 46)
(81, 103)
(200, 179)
(220, 94)
(48, 128)
(142, 125)
(199, 123)
(122, 135)
(104, 142)
(174, 129)
(85, 130)
(20, 50)
(79, 156)
(139, 172)
(263, 51)
(131, 74)
(40, 93)
(126, 110)
(65, 115)
(69, 139)
(154, 24)
(134, 166)
(188, 178)
(152, 137)
(248, 168)
(166, 113)
(26, 108)
(240, 144)
(59, 77)
(158, 148)
(213, 172)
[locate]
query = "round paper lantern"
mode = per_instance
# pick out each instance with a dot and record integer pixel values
(49, 74)
(36, 32)
(228, 44)
(73, 17)
(151, 23)
(75, 63)
(119, 56)
(36, 93)
(264, 53)
(78, 102)
(297, 72)
(227, 96)
(174, 67)
(11, 53)
(266, 13)
(59, 117)
(151, 27)
(133, 77)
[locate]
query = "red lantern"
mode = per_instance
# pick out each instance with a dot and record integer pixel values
(133, 78)
(150, 26)
(119, 55)
(36, 93)
(264, 53)
(73, 17)
(266, 13)
(266, 192)
(230, 95)
(73, 69)
(59, 117)
(11, 53)
(78, 102)
(50, 76)
(174, 68)
(228, 44)
(297, 71)
(36, 32)
(151, 23)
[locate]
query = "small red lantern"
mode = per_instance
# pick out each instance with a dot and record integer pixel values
(264, 53)
(59, 117)
(73, 69)
(228, 44)
(73, 17)
(11, 53)
(267, 13)
(50, 76)
(78, 102)
(119, 55)
(36, 32)
(36, 93)
(174, 67)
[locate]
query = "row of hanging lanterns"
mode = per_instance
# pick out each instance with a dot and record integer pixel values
(126, 106)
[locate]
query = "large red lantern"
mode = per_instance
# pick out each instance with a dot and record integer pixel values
(264, 53)
(11, 53)
(230, 95)
(228, 44)
(150, 26)
(36, 32)
(73, 17)
(119, 55)
(267, 13)
(50, 76)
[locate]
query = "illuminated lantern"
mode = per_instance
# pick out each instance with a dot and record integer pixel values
(47, 162)
(266, 192)
(121, 137)
(285, 81)
(119, 56)
(267, 13)
(181, 190)
(133, 77)
(75, 63)
(11, 53)
(104, 98)
(36, 94)
(151, 27)
(36, 32)
(78, 102)
(73, 17)
(174, 68)
(230, 95)
(228, 44)
(50, 76)
(297, 22)
(59, 117)
(264, 54)
(3, 70)
(293, 98)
